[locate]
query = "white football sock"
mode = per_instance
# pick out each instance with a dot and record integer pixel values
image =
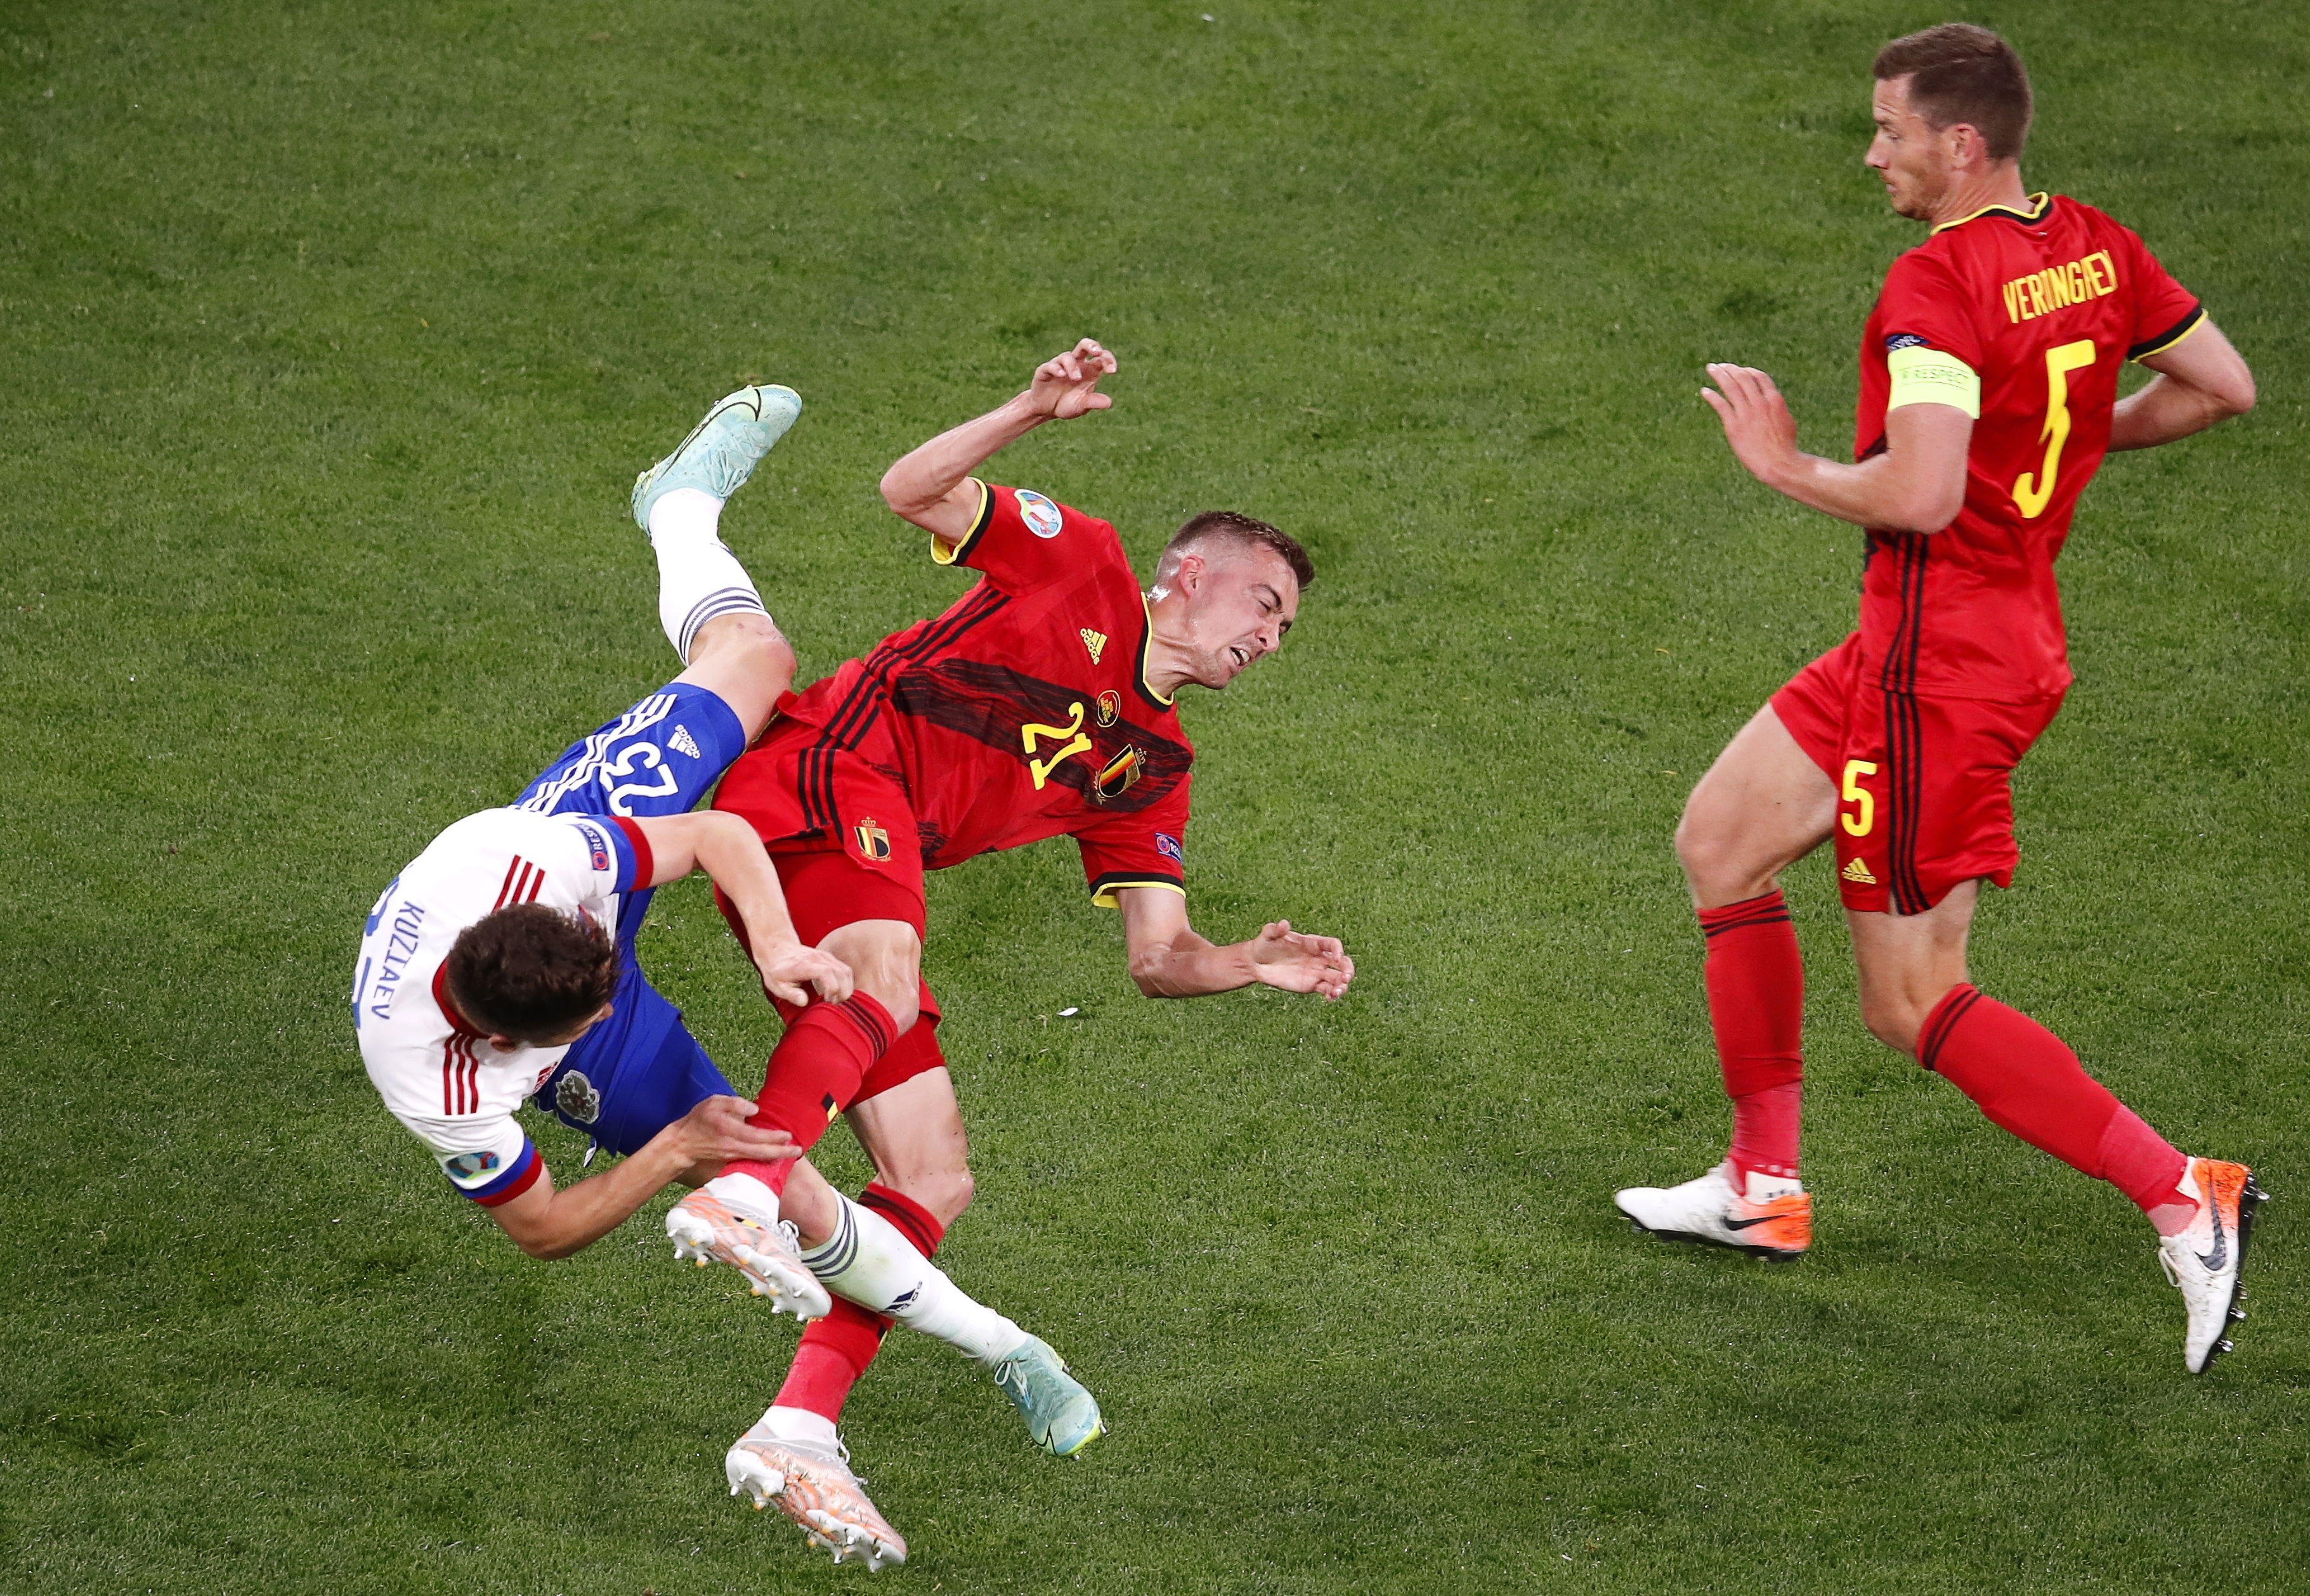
(697, 576)
(868, 1261)
(1762, 1187)
(799, 1424)
(747, 1194)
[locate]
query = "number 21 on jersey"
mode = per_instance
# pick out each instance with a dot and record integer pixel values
(1070, 737)
(2033, 492)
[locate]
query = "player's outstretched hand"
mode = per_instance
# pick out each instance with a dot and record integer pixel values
(788, 969)
(715, 1133)
(1756, 420)
(1067, 386)
(1283, 958)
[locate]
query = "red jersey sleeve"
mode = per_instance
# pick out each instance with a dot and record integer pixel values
(1141, 849)
(1022, 539)
(2164, 311)
(1923, 302)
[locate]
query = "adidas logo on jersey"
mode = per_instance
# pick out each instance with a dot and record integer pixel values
(1858, 870)
(1096, 642)
(682, 743)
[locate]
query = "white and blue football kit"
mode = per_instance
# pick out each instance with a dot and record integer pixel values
(566, 842)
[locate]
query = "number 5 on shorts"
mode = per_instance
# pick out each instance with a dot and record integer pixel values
(1858, 825)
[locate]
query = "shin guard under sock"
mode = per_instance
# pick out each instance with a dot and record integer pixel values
(814, 1071)
(698, 579)
(2026, 1080)
(1755, 979)
(835, 1350)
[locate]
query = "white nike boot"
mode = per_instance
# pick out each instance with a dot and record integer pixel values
(1772, 1217)
(2202, 1261)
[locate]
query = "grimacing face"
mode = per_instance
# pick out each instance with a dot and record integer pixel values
(1909, 154)
(1238, 602)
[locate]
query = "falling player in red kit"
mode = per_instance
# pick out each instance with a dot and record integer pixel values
(1039, 705)
(1989, 378)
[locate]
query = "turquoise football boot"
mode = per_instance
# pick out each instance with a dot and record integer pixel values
(1061, 1418)
(721, 451)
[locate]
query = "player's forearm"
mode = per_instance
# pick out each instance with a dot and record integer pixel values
(581, 1214)
(2165, 410)
(1190, 967)
(1879, 492)
(927, 474)
(732, 854)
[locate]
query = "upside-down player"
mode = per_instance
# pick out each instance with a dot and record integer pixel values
(1040, 704)
(1989, 377)
(500, 965)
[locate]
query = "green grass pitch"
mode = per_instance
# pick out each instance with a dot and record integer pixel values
(331, 336)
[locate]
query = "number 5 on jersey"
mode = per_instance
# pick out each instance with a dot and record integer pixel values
(2032, 493)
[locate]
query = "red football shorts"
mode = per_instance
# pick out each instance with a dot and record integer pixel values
(1925, 785)
(873, 872)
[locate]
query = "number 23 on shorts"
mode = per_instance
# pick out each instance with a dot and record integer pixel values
(1864, 822)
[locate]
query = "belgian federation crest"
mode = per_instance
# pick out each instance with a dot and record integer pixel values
(577, 1097)
(1119, 774)
(873, 841)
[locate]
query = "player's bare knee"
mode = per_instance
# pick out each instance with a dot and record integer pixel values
(746, 640)
(946, 1193)
(1893, 1021)
(1717, 870)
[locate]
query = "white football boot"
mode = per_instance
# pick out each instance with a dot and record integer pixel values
(2203, 1260)
(704, 1228)
(1772, 1219)
(812, 1485)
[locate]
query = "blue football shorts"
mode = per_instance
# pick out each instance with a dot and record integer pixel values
(639, 1070)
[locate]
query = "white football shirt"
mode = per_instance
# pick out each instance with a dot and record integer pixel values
(455, 1090)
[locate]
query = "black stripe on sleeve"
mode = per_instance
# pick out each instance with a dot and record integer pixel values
(2170, 337)
(978, 528)
(1108, 881)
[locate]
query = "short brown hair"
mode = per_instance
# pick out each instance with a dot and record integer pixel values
(532, 973)
(1244, 533)
(1959, 73)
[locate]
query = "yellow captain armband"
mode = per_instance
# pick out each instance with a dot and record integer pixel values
(1923, 376)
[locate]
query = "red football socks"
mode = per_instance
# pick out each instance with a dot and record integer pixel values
(814, 1072)
(835, 1350)
(1756, 1006)
(2026, 1081)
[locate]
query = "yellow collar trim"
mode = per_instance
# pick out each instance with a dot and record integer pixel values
(2036, 213)
(1146, 647)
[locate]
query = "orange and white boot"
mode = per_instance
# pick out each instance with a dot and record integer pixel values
(812, 1483)
(2203, 1259)
(1771, 1218)
(706, 1227)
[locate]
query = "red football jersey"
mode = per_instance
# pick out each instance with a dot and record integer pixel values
(2045, 305)
(1024, 711)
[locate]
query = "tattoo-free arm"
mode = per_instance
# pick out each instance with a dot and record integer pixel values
(726, 849)
(545, 1223)
(2200, 381)
(1916, 484)
(930, 485)
(1169, 959)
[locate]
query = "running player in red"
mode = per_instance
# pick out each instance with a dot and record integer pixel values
(1041, 703)
(1989, 394)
